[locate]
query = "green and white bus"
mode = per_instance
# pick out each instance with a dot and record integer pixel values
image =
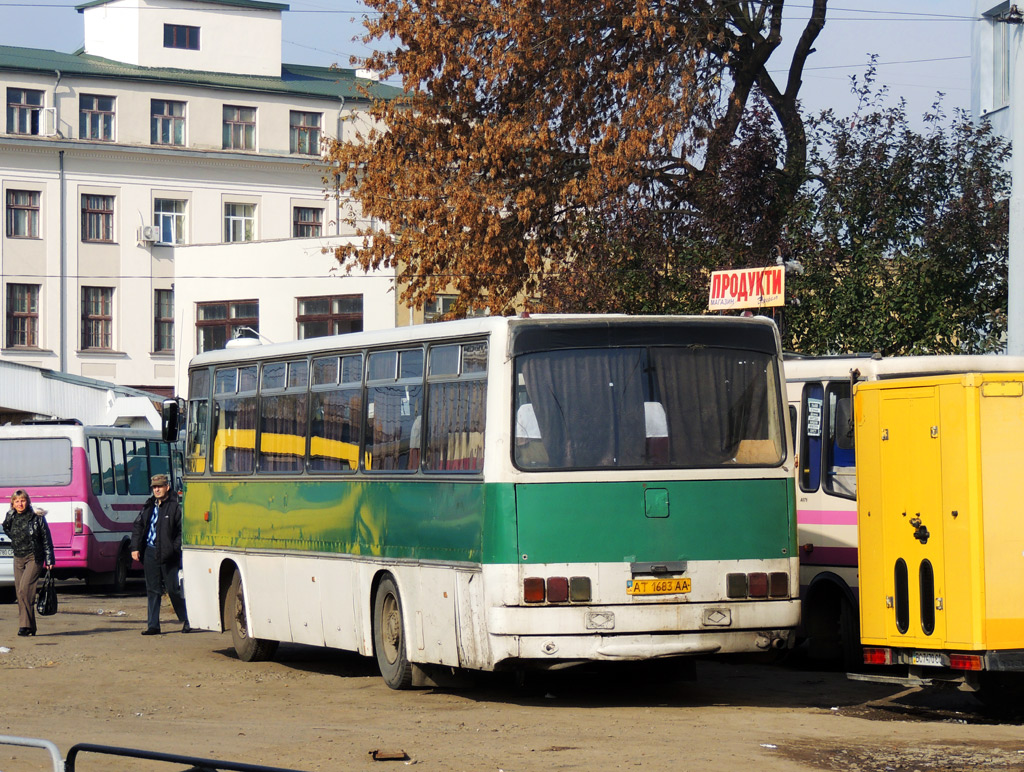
(494, 493)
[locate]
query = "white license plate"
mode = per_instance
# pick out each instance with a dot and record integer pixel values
(927, 658)
(6, 552)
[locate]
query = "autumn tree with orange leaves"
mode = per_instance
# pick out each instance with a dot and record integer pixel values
(534, 129)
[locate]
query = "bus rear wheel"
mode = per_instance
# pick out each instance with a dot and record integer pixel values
(247, 648)
(389, 636)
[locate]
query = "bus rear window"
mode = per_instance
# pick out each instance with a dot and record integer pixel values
(26, 462)
(647, 407)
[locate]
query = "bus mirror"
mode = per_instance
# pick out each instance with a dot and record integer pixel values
(844, 425)
(169, 414)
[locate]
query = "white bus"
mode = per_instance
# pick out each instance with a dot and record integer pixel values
(92, 481)
(819, 390)
(495, 493)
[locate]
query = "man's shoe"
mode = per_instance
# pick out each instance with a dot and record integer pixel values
(187, 628)
(151, 631)
(22, 631)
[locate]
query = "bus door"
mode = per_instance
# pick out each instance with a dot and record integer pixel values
(912, 539)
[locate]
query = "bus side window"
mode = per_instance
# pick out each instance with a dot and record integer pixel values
(120, 478)
(106, 466)
(810, 437)
(137, 467)
(94, 466)
(840, 461)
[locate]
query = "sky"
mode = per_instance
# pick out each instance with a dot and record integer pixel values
(923, 46)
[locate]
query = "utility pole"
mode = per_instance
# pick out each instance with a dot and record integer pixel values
(1015, 263)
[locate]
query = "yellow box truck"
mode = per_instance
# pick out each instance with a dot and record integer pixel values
(940, 504)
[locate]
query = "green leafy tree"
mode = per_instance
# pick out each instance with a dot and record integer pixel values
(902, 234)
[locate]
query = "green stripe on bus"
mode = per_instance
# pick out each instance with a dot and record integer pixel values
(496, 522)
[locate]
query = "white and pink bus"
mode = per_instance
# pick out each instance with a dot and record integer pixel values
(92, 481)
(819, 392)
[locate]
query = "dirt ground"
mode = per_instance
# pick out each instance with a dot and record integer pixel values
(90, 677)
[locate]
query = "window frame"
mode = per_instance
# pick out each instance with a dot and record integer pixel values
(23, 324)
(335, 319)
(314, 226)
(234, 221)
(177, 220)
(31, 212)
(98, 218)
(90, 118)
(304, 138)
(163, 321)
(97, 326)
(25, 113)
(167, 119)
(230, 322)
(238, 133)
(189, 33)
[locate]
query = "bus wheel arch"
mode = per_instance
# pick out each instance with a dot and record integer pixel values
(389, 634)
(831, 622)
(234, 617)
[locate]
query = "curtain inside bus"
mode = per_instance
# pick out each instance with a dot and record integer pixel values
(670, 407)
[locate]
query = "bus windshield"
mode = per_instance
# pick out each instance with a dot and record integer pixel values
(34, 461)
(664, 407)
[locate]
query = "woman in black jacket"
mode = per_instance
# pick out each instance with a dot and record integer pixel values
(33, 551)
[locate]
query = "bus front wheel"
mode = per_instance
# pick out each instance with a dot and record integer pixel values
(389, 636)
(247, 648)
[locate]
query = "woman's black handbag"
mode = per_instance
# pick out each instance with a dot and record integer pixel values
(46, 596)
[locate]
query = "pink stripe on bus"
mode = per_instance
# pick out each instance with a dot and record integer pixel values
(826, 517)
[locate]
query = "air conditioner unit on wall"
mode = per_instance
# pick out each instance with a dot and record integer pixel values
(149, 233)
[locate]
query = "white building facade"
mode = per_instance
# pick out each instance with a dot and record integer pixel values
(163, 190)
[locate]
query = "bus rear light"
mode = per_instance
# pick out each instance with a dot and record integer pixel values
(579, 589)
(778, 584)
(965, 661)
(877, 656)
(558, 589)
(736, 585)
(758, 585)
(78, 520)
(533, 589)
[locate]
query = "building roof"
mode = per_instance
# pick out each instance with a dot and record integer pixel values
(295, 80)
(257, 4)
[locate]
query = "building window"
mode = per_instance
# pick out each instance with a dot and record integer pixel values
(239, 128)
(24, 108)
(307, 222)
(305, 133)
(23, 214)
(97, 318)
(96, 117)
(330, 315)
(239, 222)
(217, 323)
(163, 320)
(169, 217)
(97, 218)
(167, 125)
(23, 315)
(181, 36)
(1002, 62)
(443, 304)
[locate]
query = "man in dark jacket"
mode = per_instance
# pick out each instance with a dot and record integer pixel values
(156, 543)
